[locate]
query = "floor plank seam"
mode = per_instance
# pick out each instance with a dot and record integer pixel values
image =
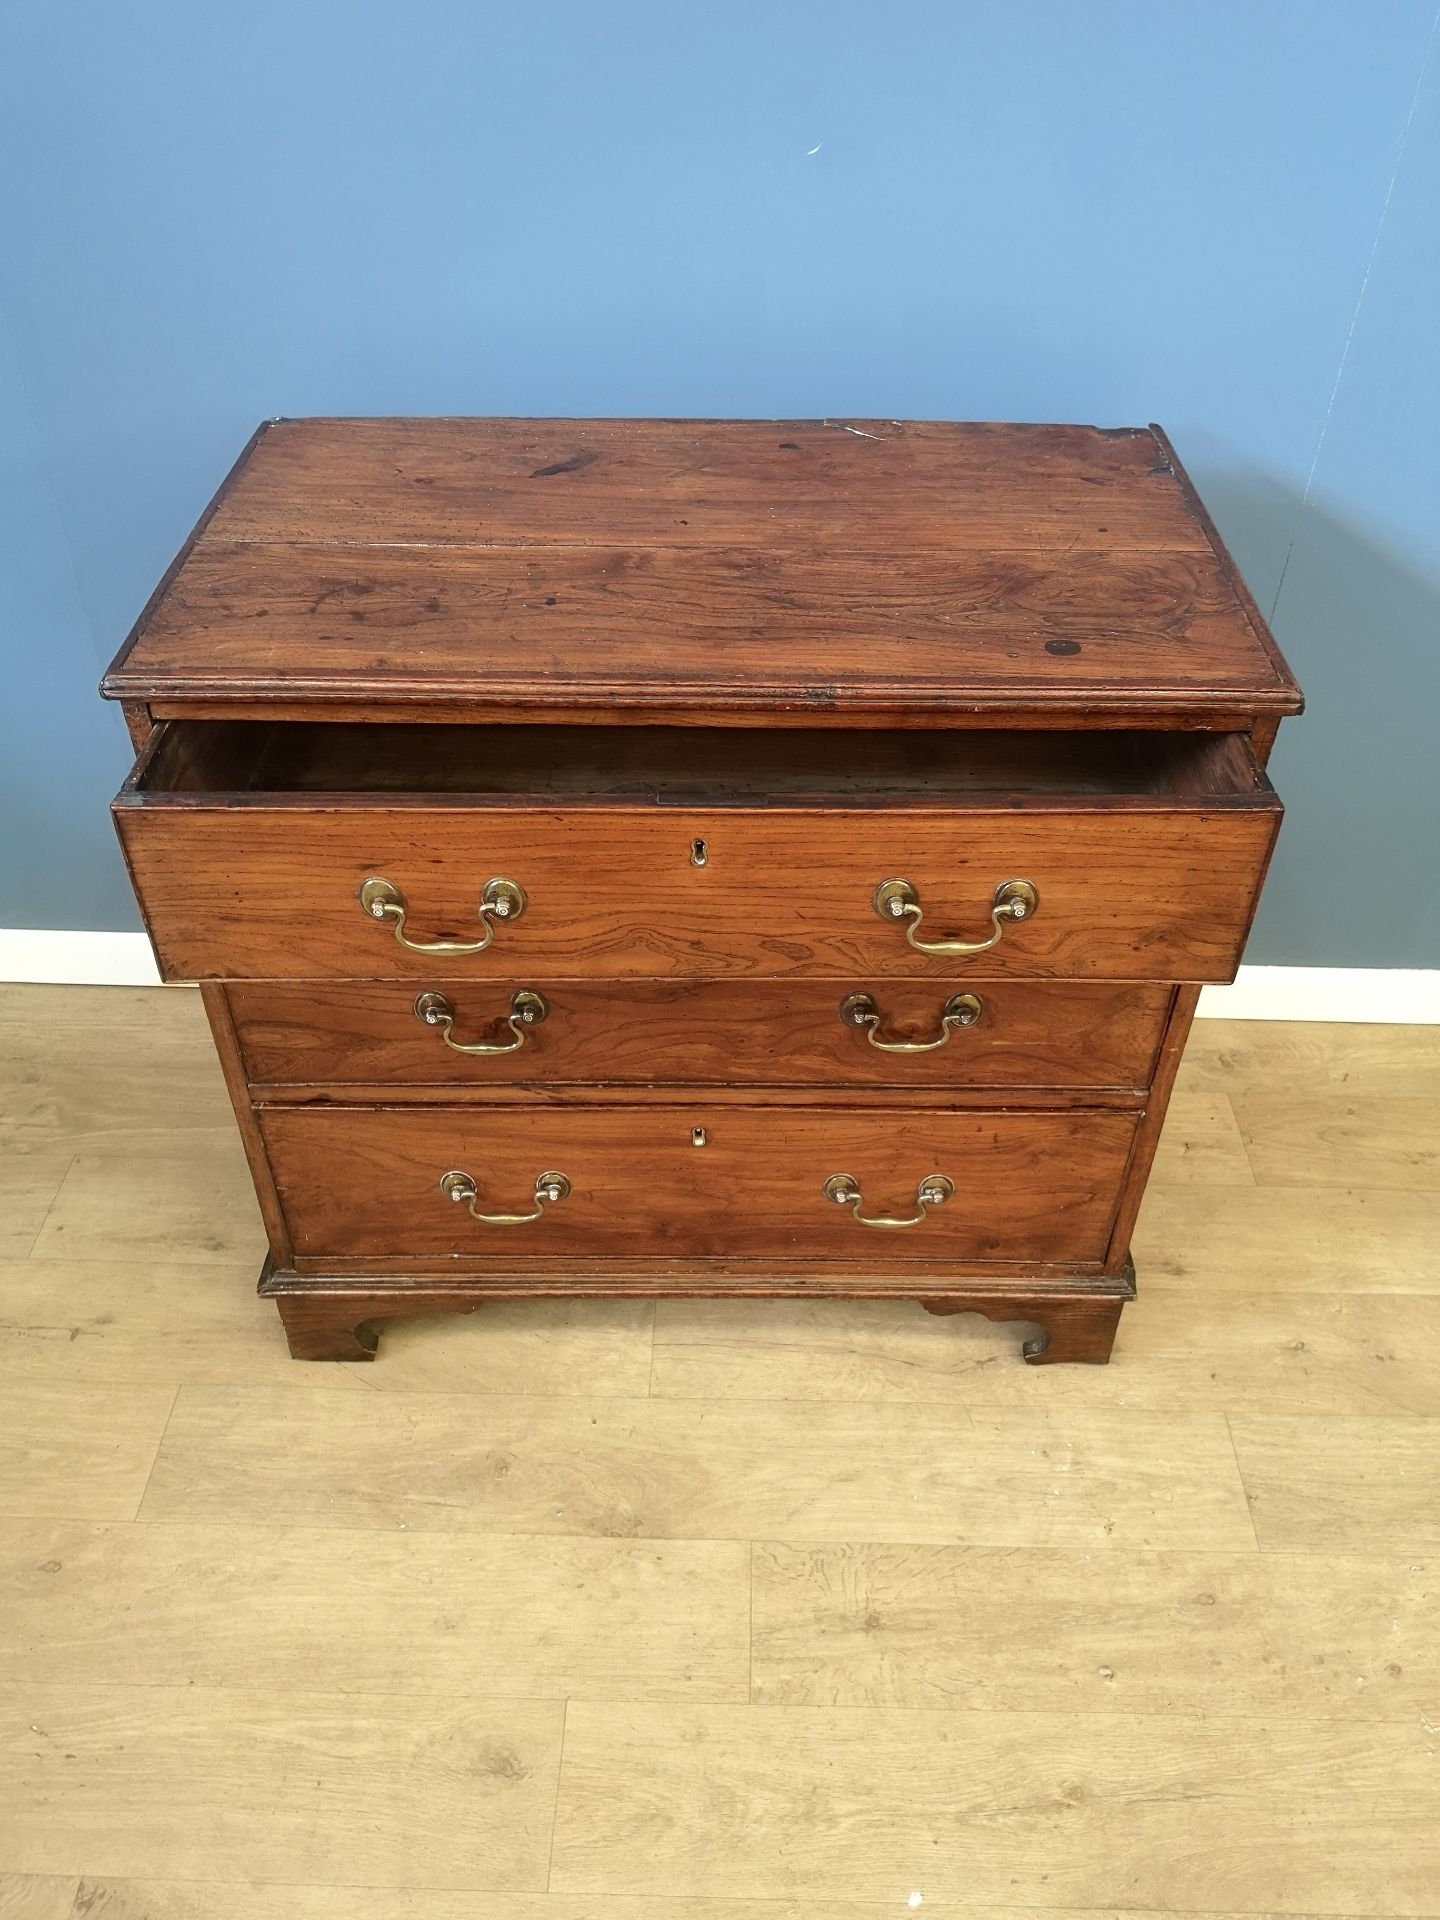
(1099, 1543)
(1198, 1715)
(438, 1691)
(1244, 1490)
(1081, 1549)
(1244, 1139)
(782, 1905)
(155, 1458)
(54, 1202)
(750, 1620)
(555, 1808)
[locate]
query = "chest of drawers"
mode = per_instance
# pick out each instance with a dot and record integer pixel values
(700, 858)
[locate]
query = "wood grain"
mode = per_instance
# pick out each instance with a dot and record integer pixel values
(1156, 890)
(1306, 1057)
(172, 1017)
(1152, 1121)
(1230, 1239)
(1200, 1144)
(812, 767)
(281, 1608)
(761, 1802)
(704, 1033)
(115, 1899)
(485, 471)
(155, 1073)
(262, 1179)
(1176, 1351)
(674, 1470)
(1348, 1485)
(854, 653)
(31, 1176)
(135, 1197)
(1217, 1761)
(67, 1451)
(26, 1896)
(1329, 1637)
(1028, 1186)
(814, 565)
(1318, 1140)
(97, 1323)
(139, 1321)
(1234, 717)
(719, 622)
(339, 1317)
(383, 1789)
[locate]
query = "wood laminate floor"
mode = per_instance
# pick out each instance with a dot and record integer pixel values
(719, 1611)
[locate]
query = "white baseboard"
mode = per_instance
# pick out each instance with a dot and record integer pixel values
(76, 959)
(1380, 994)
(1390, 996)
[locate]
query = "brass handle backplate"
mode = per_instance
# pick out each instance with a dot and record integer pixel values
(550, 1190)
(933, 1191)
(960, 1010)
(527, 1009)
(499, 900)
(1013, 900)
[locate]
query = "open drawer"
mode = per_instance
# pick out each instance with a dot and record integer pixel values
(293, 851)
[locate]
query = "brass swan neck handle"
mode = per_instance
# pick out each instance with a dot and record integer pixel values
(898, 900)
(859, 1010)
(550, 1190)
(933, 1191)
(500, 900)
(527, 1010)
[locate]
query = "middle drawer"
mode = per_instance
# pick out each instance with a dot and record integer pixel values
(829, 1032)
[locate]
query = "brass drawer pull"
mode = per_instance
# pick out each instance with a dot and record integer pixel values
(550, 1189)
(860, 1010)
(527, 1009)
(499, 900)
(898, 900)
(933, 1191)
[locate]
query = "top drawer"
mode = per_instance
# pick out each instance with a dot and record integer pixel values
(693, 852)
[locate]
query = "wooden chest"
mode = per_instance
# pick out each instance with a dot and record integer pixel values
(700, 857)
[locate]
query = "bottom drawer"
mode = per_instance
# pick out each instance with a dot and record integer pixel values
(767, 1183)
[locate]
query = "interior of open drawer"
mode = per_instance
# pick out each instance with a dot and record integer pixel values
(686, 766)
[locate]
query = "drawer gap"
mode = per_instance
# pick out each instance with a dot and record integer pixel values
(688, 767)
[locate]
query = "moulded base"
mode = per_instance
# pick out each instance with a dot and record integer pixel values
(334, 1318)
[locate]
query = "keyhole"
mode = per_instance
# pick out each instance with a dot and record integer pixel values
(699, 853)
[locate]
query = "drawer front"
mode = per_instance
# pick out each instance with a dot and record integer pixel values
(979, 1034)
(366, 1183)
(1126, 891)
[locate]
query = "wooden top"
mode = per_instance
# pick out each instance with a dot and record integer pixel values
(715, 570)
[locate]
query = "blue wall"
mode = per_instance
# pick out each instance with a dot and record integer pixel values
(1220, 217)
